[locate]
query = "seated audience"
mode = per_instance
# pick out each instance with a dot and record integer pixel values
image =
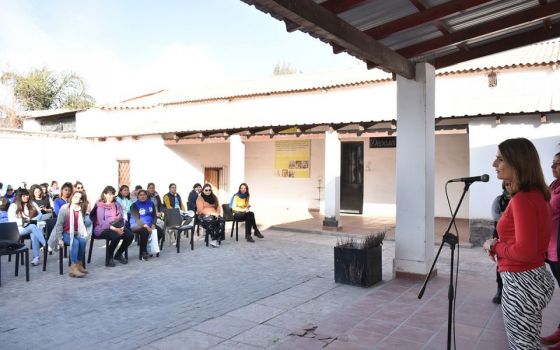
(143, 221)
(22, 211)
(239, 204)
(208, 207)
(172, 199)
(10, 194)
(71, 230)
(193, 196)
(65, 194)
(110, 224)
(123, 199)
(42, 201)
(54, 191)
(4, 205)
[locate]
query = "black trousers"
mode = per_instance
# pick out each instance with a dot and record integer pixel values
(250, 222)
(555, 268)
(144, 235)
(216, 226)
(114, 239)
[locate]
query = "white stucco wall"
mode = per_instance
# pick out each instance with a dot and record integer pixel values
(484, 137)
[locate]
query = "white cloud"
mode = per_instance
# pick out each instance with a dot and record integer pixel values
(24, 45)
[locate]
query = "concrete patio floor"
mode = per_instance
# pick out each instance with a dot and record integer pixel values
(277, 293)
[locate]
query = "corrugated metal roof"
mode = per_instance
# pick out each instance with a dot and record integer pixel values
(545, 53)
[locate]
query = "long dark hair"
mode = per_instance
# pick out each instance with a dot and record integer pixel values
(522, 156)
(32, 192)
(120, 195)
(83, 201)
(67, 185)
(20, 204)
(107, 189)
(246, 186)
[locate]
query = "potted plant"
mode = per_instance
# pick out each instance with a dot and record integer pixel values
(358, 262)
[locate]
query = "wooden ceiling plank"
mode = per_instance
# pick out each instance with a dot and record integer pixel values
(315, 19)
(512, 42)
(430, 15)
(529, 15)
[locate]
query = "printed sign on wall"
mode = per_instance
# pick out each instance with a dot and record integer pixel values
(292, 158)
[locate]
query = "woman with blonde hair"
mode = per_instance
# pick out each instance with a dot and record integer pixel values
(524, 234)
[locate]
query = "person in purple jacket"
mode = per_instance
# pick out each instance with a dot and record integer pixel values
(109, 224)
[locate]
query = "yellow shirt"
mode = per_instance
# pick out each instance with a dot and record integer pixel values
(240, 204)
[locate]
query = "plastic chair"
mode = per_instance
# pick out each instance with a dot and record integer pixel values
(230, 216)
(9, 232)
(174, 221)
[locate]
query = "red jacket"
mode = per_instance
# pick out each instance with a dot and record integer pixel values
(524, 230)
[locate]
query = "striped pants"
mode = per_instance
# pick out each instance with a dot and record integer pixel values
(524, 296)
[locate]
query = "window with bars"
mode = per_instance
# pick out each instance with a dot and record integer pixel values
(124, 172)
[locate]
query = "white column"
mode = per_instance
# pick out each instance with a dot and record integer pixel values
(332, 180)
(236, 163)
(414, 236)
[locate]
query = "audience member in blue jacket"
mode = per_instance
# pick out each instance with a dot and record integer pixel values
(65, 194)
(143, 217)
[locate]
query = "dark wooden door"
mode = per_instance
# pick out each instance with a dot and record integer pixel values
(352, 177)
(212, 177)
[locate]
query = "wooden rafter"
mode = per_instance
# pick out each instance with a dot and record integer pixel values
(511, 42)
(529, 15)
(430, 15)
(313, 18)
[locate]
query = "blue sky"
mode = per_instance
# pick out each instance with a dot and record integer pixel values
(124, 47)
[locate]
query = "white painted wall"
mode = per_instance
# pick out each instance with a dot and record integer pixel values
(484, 137)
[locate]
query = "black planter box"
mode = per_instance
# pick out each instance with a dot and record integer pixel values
(357, 266)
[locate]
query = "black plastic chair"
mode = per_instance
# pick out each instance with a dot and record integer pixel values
(9, 232)
(230, 216)
(174, 221)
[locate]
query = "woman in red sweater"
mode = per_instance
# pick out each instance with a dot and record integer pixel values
(524, 231)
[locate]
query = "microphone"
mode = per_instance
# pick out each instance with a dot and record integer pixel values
(481, 178)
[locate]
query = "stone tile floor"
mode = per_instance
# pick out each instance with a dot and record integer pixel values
(276, 293)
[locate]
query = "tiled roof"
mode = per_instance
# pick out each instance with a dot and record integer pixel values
(545, 53)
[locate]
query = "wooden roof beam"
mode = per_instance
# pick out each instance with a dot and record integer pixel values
(313, 18)
(529, 15)
(512, 42)
(430, 15)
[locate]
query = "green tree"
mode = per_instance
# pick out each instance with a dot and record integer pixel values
(45, 89)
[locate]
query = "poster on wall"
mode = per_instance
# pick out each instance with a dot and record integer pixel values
(291, 158)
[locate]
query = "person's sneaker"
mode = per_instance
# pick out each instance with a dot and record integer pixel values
(250, 239)
(121, 259)
(214, 243)
(111, 263)
(35, 261)
(258, 234)
(145, 256)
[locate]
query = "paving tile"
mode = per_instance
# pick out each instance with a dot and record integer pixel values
(188, 339)
(225, 326)
(262, 336)
(256, 312)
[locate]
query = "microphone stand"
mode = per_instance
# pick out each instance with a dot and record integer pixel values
(452, 240)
